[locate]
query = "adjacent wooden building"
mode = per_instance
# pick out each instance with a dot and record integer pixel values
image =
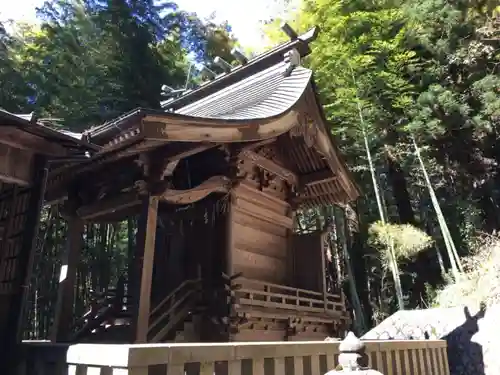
(26, 150)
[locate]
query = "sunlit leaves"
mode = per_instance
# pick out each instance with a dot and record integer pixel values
(406, 240)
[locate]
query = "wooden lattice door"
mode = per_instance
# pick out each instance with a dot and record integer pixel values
(13, 214)
(19, 218)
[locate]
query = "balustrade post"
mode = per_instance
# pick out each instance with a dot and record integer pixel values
(352, 358)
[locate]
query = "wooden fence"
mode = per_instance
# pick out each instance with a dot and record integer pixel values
(412, 357)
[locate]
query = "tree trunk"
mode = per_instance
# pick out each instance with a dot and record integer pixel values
(400, 192)
(342, 231)
(360, 268)
(450, 246)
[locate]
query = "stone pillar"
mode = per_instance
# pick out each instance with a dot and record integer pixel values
(352, 358)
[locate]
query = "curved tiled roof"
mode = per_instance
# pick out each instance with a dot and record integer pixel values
(263, 95)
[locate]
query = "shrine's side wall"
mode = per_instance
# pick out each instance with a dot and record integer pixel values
(260, 227)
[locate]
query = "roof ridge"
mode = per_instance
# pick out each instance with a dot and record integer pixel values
(253, 66)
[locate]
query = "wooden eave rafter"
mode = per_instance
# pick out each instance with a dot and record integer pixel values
(22, 132)
(325, 145)
(109, 206)
(303, 198)
(317, 177)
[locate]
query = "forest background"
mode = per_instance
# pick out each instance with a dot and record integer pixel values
(412, 93)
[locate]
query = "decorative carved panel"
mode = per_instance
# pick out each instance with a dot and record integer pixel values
(263, 169)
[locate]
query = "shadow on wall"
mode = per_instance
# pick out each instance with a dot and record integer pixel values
(473, 338)
(464, 355)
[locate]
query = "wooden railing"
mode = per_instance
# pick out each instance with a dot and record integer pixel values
(172, 309)
(260, 293)
(413, 357)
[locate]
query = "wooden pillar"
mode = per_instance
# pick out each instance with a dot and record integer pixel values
(146, 246)
(323, 267)
(66, 290)
(229, 235)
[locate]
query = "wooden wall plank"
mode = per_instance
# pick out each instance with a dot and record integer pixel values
(246, 220)
(267, 214)
(257, 266)
(260, 198)
(259, 242)
(259, 235)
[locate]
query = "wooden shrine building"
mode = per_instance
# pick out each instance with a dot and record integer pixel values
(214, 179)
(27, 148)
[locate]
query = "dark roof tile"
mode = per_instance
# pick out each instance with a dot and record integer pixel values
(266, 94)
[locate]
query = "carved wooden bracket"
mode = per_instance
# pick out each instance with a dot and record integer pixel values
(215, 184)
(270, 166)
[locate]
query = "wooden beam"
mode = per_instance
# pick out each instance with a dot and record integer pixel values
(317, 177)
(16, 165)
(230, 236)
(254, 145)
(16, 138)
(123, 201)
(66, 290)
(149, 238)
(108, 206)
(215, 184)
(328, 195)
(173, 160)
(271, 166)
(170, 153)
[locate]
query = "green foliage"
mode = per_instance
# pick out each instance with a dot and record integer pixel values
(91, 61)
(425, 69)
(406, 239)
